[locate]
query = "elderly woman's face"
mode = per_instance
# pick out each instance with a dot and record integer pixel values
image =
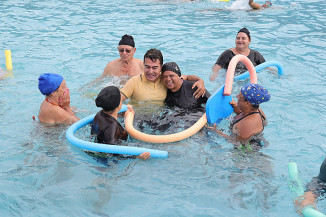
(242, 40)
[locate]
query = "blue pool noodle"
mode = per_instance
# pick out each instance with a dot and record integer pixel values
(297, 188)
(114, 149)
(260, 67)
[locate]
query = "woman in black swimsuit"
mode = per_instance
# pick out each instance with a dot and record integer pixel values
(250, 120)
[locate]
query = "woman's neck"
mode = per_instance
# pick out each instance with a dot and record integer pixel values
(113, 114)
(52, 100)
(243, 51)
(249, 110)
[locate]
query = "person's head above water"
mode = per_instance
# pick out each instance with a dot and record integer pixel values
(267, 4)
(109, 98)
(255, 94)
(49, 83)
(126, 48)
(243, 40)
(171, 75)
(154, 54)
(153, 61)
(246, 31)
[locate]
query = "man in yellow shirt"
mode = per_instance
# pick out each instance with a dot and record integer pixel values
(149, 86)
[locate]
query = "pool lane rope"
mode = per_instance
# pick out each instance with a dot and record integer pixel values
(99, 147)
(297, 188)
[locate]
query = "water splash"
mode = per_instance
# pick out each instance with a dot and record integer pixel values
(239, 5)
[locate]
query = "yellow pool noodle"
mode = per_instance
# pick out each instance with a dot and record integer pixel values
(8, 60)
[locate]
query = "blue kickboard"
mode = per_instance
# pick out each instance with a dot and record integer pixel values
(218, 106)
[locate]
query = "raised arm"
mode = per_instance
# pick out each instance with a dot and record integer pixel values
(254, 5)
(215, 69)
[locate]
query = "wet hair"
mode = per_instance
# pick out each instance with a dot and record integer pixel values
(154, 54)
(245, 30)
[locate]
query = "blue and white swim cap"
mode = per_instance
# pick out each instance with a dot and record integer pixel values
(255, 94)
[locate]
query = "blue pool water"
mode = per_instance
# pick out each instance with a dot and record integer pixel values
(42, 174)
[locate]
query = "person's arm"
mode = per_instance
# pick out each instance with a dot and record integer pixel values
(235, 107)
(58, 115)
(220, 133)
(308, 199)
(107, 69)
(215, 69)
(128, 88)
(129, 109)
(71, 119)
(254, 5)
(199, 83)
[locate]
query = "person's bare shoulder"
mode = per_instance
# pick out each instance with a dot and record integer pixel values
(52, 114)
(141, 64)
(111, 67)
(249, 126)
(138, 61)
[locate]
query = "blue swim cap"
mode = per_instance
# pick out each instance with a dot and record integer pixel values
(255, 94)
(267, 4)
(49, 82)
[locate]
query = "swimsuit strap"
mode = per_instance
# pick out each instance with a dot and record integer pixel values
(261, 116)
(237, 121)
(49, 101)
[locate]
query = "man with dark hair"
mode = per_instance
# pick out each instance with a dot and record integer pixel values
(126, 64)
(149, 86)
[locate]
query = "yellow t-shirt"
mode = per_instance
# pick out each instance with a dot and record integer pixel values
(138, 88)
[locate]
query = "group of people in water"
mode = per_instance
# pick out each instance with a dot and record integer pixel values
(151, 80)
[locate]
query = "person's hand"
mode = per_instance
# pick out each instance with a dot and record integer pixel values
(235, 106)
(200, 92)
(129, 109)
(308, 199)
(211, 128)
(233, 103)
(144, 155)
(64, 100)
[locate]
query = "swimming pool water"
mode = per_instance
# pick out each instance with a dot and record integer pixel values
(42, 174)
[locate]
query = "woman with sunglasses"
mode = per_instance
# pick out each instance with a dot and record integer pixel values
(242, 42)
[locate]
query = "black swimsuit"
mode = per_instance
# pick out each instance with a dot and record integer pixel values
(256, 141)
(261, 115)
(318, 184)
